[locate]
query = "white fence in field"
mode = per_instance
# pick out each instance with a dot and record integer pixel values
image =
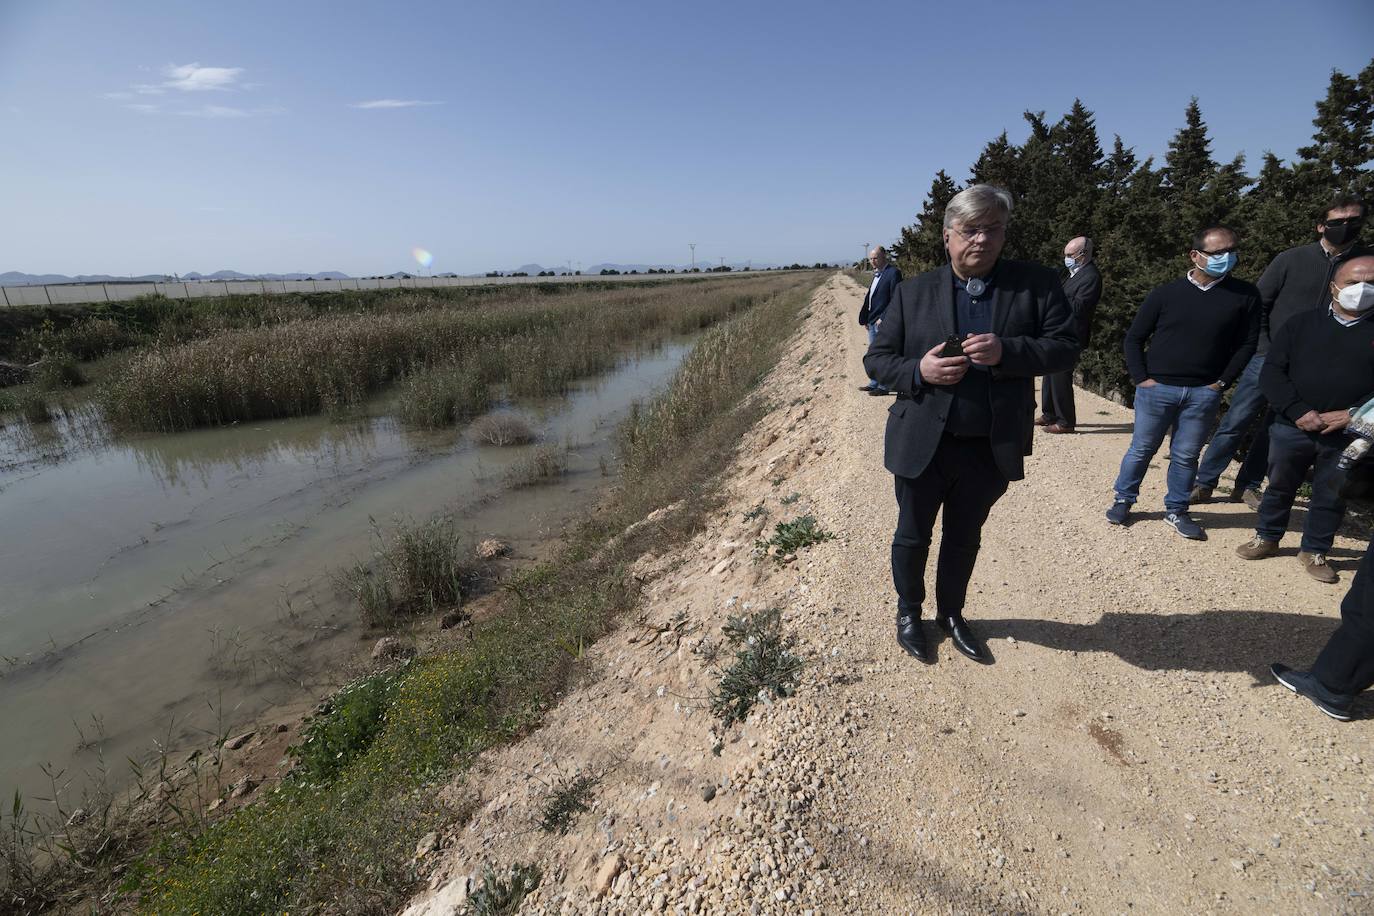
(82, 293)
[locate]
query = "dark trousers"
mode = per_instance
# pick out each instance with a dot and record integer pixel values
(1291, 453)
(1346, 665)
(1056, 398)
(963, 478)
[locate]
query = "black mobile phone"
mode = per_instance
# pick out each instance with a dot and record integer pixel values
(953, 347)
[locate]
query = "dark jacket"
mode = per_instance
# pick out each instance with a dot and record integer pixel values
(1083, 290)
(1036, 325)
(1297, 280)
(878, 297)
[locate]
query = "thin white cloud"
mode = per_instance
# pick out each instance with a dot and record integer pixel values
(143, 108)
(215, 111)
(195, 78)
(393, 103)
(226, 111)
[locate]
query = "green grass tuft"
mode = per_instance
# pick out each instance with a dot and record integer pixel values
(765, 662)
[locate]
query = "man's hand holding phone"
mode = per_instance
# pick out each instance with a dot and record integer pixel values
(945, 364)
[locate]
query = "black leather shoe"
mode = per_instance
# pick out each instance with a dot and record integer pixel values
(962, 636)
(912, 639)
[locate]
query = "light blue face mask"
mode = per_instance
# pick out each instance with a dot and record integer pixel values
(1070, 263)
(1219, 265)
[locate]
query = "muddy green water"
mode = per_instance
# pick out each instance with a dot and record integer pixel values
(165, 588)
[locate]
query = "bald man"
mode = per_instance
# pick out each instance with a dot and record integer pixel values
(1083, 288)
(1320, 366)
(885, 279)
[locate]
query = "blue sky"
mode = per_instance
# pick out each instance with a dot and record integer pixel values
(146, 136)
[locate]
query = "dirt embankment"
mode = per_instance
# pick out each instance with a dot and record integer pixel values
(1126, 753)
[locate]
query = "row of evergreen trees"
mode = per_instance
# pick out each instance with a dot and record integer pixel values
(1141, 217)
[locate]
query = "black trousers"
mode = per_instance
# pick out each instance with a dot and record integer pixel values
(963, 478)
(1056, 398)
(1346, 665)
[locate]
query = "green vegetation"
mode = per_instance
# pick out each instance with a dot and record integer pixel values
(1142, 216)
(345, 837)
(790, 537)
(567, 799)
(765, 662)
(343, 727)
(417, 570)
(497, 896)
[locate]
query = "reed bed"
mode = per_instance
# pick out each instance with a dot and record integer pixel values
(345, 839)
(536, 346)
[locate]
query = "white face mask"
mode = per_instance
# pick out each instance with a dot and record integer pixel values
(1357, 297)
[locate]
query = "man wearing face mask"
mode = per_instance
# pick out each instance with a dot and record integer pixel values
(1083, 289)
(961, 346)
(1320, 365)
(1201, 330)
(1295, 282)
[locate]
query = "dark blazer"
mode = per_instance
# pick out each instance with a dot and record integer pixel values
(1083, 290)
(878, 297)
(1036, 325)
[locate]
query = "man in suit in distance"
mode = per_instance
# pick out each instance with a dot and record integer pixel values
(885, 279)
(962, 422)
(1083, 289)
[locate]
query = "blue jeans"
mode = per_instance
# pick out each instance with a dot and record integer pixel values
(1247, 403)
(872, 333)
(1158, 408)
(1293, 453)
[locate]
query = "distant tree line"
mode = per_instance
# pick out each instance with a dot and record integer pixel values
(1140, 216)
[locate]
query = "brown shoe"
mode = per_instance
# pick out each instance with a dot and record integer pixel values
(1043, 420)
(1200, 495)
(1058, 428)
(1252, 499)
(1315, 564)
(1257, 548)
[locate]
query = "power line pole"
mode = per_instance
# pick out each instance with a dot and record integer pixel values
(693, 246)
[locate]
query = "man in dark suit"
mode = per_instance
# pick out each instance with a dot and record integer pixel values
(885, 280)
(1083, 288)
(962, 423)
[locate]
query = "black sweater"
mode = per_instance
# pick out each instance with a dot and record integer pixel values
(1296, 281)
(1196, 336)
(1316, 363)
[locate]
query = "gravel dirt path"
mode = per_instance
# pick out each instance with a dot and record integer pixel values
(1127, 752)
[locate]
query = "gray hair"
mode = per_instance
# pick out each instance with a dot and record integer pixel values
(978, 200)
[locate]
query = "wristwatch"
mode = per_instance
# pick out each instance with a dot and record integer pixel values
(1222, 386)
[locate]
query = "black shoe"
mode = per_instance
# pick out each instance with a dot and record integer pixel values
(1305, 684)
(868, 387)
(912, 639)
(962, 636)
(878, 392)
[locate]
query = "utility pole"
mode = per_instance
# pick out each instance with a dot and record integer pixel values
(722, 262)
(693, 246)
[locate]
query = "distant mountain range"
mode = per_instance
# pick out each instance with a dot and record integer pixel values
(17, 278)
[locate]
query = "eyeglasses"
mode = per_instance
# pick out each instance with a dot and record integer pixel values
(1234, 249)
(1346, 221)
(987, 232)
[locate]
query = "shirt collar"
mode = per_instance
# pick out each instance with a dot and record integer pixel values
(1343, 321)
(1189, 275)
